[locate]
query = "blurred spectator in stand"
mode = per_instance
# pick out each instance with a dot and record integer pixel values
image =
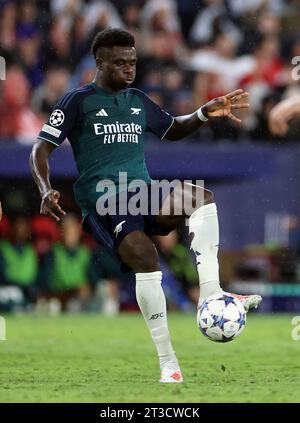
(66, 9)
(29, 42)
(173, 79)
(241, 7)
(8, 39)
(18, 264)
(153, 77)
(72, 18)
(161, 32)
(261, 129)
(84, 72)
(206, 86)
(17, 119)
(258, 25)
(183, 103)
(4, 224)
(46, 95)
(187, 12)
(268, 64)
(57, 50)
(214, 18)
(27, 18)
(45, 232)
(66, 271)
(79, 36)
(218, 71)
(29, 58)
(100, 15)
(172, 82)
(214, 46)
(265, 77)
(131, 14)
(219, 59)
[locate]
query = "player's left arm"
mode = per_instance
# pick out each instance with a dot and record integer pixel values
(281, 115)
(218, 107)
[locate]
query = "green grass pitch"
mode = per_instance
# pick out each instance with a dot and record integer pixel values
(90, 358)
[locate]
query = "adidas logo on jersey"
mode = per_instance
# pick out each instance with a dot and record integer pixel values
(101, 112)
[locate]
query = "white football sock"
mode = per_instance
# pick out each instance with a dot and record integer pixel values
(204, 224)
(152, 302)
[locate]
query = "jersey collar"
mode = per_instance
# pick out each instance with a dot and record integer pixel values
(102, 91)
(119, 97)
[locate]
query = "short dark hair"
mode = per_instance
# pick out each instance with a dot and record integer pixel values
(110, 37)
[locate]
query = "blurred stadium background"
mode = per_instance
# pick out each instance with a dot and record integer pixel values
(189, 52)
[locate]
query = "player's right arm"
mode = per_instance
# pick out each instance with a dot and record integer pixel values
(40, 170)
(53, 133)
(282, 113)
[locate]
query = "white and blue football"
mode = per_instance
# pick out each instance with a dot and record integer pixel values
(221, 317)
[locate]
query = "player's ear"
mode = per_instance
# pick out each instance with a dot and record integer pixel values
(99, 62)
(99, 58)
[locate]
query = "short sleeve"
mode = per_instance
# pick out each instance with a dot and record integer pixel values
(61, 121)
(158, 120)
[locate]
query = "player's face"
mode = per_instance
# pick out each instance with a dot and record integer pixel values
(119, 67)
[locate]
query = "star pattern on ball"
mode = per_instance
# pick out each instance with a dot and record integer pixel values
(219, 321)
(241, 320)
(203, 306)
(228, 300)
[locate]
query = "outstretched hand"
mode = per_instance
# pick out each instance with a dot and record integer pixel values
(50, 206)
(223, 106)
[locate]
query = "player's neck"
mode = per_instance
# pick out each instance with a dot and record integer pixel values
(98, 80)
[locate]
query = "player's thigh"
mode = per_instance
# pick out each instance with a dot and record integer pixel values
(182, 202)
(138, 251)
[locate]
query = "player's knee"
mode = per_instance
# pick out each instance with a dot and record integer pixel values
(208, 197)
(145, 259)
(140, 256)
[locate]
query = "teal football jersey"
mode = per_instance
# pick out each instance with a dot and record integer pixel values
(107, 135)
